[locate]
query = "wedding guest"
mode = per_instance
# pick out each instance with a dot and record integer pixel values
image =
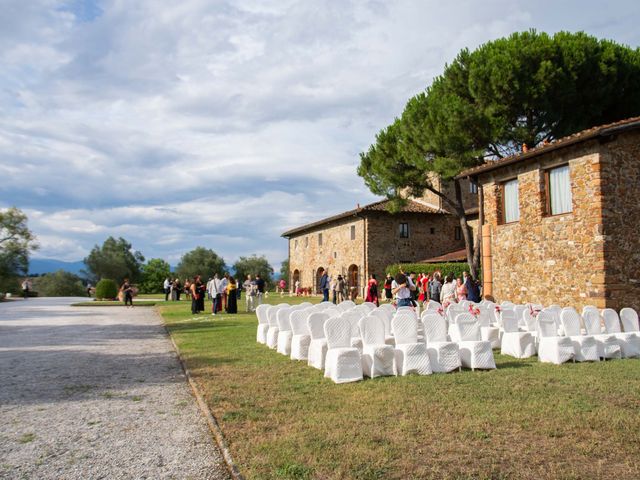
(387, 288)
(187, 289)
(401, 287)
(193, 293)
(224, 282)
(434, 287)
(127, 292)
(249, 293)
(448, 290)
(260, 287)
(372, 290)
(166, 286)
(324, 286)
(282, 285)
(232, 298)
(461, 290)
(340, 289)
(215, 294)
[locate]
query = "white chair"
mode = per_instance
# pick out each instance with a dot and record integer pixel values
(346, 305)
(629, 341)
(301, 338)
(386, 321)
(342, 363)
(387, 307)
(284, 331)
(585, 346)
(474, 352)
(530, 323)
(433, 305)
(444, 356)
(514, 342)
(551, 347)
(332, 311)
(272, 332)
(519, 310)
(410, 355)
(555, 311)
(353, 316)
(629, 319)
(318, 344)
(489, 333)
(263, 322)
(377, 356)
(608, 344)
(369, 306)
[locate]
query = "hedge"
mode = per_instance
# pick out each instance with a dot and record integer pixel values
(455, 268)
(107, 289)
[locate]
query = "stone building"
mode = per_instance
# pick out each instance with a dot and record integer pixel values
(560, 222)
(367, 239)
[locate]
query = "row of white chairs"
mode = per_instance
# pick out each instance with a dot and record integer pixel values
(554, 333)
(355, 341)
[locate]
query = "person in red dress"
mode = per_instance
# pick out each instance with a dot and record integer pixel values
(372, 290)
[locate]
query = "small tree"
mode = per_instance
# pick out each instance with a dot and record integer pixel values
(116, 259)
(200, 261)
(253, 265)
(16, 241)
(59, 284)
(284, 270)
(154, 273)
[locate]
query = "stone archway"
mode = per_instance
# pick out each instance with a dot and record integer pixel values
(352, 281)
(319, 273)
(295, 276)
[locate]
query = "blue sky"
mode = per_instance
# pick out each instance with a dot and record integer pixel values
(223, 123)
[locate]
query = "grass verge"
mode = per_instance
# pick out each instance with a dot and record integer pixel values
(108, 303)
(282, 419)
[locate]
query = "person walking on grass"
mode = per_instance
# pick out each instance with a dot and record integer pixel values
(127, 293)
(224, 283)
(215, 294)
(166, 288)
(249, 293)
(193, 290)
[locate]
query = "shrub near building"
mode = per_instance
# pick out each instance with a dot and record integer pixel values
(106, 289)
(455, 268)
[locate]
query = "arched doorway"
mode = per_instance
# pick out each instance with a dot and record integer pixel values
(294, 278)
(352, 281)
(319, 274)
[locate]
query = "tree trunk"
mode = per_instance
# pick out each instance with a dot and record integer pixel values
(467, 231)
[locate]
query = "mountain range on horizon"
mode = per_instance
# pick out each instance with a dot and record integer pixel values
(38, 266)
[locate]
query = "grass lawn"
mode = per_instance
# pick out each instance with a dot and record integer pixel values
(111, 303)
(282, 419)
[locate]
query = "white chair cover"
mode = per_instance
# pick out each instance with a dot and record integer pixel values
(629, 318)
(272, 332)
(353, 316)
(474, 352)
(410, 356)
(342, 363)
(514, 342)
(444, 356)
(585, 346)
(301, 338)
(629, 341)
(608, 344)
(377, 357)
(284, 331)
(490, 333)
(263, 322)
(551, 347)
(318, 344)
(386, 321)
(346, 305)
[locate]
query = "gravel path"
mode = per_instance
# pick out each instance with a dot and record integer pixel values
(96, 393)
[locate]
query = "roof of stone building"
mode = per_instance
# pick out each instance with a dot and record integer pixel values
(380, 206)
(455, 256)
(579, 137)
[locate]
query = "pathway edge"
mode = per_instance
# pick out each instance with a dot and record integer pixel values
(214, 426)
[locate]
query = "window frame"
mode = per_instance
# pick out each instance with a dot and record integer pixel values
(352, 231)
(503, 198)
(457, 233)
(320, 239)
(402, 232)
(547, 190)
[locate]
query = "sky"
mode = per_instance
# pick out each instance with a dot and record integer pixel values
(223, 123)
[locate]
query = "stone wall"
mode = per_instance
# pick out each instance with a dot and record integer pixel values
(620, 179)
(549, 259)
(469, 199)
(336, 254)
(386, 247)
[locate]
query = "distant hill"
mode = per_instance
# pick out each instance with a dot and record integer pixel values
(48, 265)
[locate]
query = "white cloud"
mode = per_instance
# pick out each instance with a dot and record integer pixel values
(222, 123)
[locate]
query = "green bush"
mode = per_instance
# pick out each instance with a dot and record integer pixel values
(106, 288)
(59, 284)
(455, 268)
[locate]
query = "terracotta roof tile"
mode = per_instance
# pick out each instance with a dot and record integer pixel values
(456, 256)
(380, 206)
(584, 135)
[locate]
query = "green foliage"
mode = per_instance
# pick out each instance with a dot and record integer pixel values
(446, 268)
(253, 265)
(284, 270)
(59, 284)
(106, 289)
(115, 259)
(154, 273)
(16, 241)
(200, 261)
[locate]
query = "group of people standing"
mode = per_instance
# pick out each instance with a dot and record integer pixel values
(412, 289)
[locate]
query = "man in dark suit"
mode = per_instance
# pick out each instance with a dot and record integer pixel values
(324, 286)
